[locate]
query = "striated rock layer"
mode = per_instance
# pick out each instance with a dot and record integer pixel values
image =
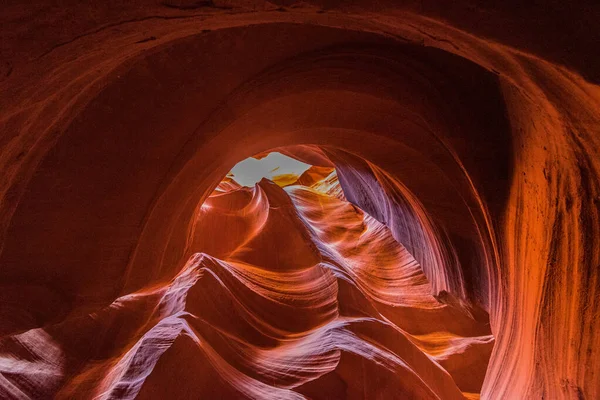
(471, 131)
(296, 294)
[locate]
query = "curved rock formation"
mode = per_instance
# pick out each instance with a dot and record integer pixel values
(309, 297)
(468, 133)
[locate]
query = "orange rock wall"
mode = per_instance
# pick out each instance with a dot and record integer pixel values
(118, 120)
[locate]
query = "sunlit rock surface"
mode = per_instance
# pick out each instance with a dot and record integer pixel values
(292, 294)
(469, 129)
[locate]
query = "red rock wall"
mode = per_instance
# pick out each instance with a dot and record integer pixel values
(118, 120)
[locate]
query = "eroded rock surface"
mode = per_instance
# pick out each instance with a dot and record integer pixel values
(470, 130)
(297, 294)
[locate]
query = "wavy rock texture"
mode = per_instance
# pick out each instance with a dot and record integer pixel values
(296, 294)
(470, 130)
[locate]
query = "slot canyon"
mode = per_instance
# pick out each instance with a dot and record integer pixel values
(320, 199)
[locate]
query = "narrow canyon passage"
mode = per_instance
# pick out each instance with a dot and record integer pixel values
(333, 291)
(292, 292)
(312, 199)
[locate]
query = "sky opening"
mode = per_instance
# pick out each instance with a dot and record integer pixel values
(275, 166)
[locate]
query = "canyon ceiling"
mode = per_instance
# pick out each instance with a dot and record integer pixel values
(444, 243)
